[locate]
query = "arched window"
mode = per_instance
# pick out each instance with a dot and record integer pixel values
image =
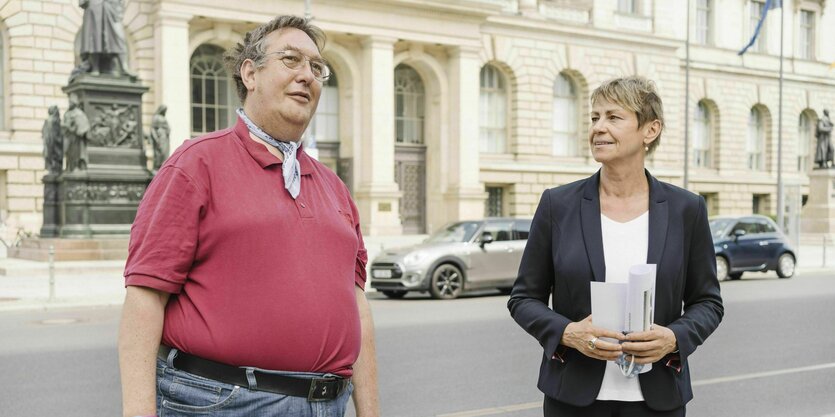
(805, 136)
(566, 111)
(702, 137)
(492, 111)
(755, 146)
(213, 96)
(325, 124)
(408, 105)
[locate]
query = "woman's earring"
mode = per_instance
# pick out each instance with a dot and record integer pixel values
(646, 148)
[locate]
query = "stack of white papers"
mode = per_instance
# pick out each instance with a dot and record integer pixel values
(626, 307)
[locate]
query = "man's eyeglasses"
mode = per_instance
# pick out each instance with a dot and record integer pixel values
(294, 60)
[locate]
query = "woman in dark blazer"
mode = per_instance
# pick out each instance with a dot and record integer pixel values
(593, 230)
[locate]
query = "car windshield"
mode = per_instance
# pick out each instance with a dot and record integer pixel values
(718, 227)
(455, 232)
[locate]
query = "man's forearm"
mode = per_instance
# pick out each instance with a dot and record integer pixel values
(139, 336)
(366, 397)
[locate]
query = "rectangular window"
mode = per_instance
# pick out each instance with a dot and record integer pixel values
(628, 6)
(757, 10)
(760, 204)
(493, 207)
(806, 47)
(703, 21)
(712, 203)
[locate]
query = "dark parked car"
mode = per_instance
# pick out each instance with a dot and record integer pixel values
(750, 243)
(462, 255)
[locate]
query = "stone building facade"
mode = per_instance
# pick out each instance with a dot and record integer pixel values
(442, 110)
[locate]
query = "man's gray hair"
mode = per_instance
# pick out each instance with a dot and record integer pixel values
(253, 48)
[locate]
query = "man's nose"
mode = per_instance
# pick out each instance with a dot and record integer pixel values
(306, 72)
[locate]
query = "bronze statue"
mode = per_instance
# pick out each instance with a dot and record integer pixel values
(53, 142)
(824, 151)
(160, 132)
(103, 45)
(75, 127)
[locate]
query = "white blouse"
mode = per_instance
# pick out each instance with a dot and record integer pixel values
(624, 245)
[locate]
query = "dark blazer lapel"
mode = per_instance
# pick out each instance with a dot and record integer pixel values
(590, 224)
(658, 220)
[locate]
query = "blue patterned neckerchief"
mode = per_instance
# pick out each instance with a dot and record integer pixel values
(290, 168)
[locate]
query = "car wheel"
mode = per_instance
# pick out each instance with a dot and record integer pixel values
(447, 282)
(785, 266)
(735, 276)
(721, 268)
(394, 294)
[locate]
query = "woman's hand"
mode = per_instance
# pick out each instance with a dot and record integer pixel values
(585, 337)
(650, 346)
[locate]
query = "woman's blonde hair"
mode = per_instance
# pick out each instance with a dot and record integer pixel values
(636, 94)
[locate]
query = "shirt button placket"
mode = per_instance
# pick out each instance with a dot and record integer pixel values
(304, 209)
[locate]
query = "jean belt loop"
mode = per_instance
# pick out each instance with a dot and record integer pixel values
(250, 378)
(171, 355)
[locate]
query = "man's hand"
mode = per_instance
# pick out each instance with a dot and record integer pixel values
(585, 337)
(650, 346)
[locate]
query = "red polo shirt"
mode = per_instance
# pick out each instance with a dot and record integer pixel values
(259, 279)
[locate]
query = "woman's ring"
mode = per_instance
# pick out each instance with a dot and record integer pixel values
(592, 343)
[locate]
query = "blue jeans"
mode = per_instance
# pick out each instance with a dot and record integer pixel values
(181, 394)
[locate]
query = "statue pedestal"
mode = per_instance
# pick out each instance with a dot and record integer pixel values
(818, 217)
(101, 199)
(51, 213)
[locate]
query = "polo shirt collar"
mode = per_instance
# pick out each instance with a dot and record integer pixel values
(263, 156)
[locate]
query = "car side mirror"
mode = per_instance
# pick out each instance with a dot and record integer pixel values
(738, 233)
(486, 238)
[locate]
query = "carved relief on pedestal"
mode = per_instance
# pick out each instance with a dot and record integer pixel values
(104, 192)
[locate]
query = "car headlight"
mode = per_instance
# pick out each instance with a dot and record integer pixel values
(415, 258)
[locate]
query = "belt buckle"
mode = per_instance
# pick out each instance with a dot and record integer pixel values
(323, 389)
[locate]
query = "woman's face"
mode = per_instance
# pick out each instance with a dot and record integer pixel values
(614, 134)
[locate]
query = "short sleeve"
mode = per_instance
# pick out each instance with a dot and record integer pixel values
(164, 235)
(360, 273)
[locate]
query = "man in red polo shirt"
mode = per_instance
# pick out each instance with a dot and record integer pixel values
(246, 265)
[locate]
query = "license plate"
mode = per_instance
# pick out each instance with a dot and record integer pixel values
(381, 273)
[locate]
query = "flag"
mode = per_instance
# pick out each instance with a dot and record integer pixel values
(769, 4)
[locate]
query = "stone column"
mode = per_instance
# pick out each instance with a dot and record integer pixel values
(172, 83)
(465, 194)
(377, 194)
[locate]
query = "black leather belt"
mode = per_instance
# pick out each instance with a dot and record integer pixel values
(314, 389)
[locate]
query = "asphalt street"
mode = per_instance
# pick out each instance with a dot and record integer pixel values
(773, 355)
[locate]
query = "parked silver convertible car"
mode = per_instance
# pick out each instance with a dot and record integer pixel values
(463, 255)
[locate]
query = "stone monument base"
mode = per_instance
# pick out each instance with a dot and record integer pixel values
(818, 217)
(91, 249)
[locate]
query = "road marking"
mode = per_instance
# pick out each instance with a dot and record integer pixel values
(529, 406)
(494, 410)
(763, 374)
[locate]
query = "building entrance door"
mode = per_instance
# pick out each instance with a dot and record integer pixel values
(410, 175)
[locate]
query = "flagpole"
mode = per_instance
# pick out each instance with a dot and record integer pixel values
(780, 197)
(687, 101)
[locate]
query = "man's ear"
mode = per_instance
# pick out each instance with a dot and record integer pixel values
(248, 74)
